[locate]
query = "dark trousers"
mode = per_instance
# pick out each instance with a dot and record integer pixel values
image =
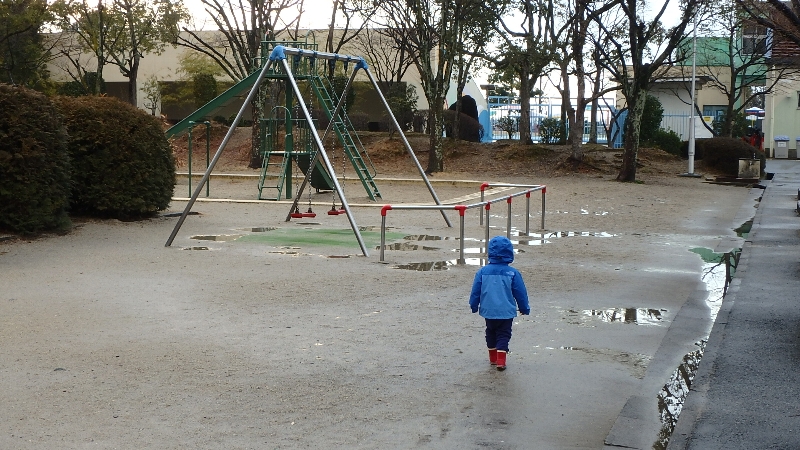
(498, 333)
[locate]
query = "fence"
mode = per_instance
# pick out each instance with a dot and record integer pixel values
(486, 204)
(501, 107)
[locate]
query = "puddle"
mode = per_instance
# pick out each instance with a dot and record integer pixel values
(217, 237)
(716, 274)
(744, 229)
(427, 237)
(637, 363)
(635, 316)
(405, 246)
(673, 395)
(195, 248)
(534, 239)
(426, 266)
(585, 212)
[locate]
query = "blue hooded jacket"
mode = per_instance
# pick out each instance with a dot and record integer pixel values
(498, 290)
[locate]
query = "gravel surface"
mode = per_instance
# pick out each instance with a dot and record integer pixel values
(112, 340)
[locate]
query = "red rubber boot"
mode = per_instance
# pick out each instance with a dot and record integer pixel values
(501, 360)
(493, 356)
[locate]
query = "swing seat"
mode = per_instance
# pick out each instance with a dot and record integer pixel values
(308, 214)
(297, 215)
(336, 212)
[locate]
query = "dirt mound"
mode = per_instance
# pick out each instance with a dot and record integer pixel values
(388, 154)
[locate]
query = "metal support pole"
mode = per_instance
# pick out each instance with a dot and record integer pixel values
(482, 200)
(528, 213)
(328, 166)
(508, 221)
(544, 192)
(383, 235)
(461, 259)
(488, 207)
(462, 210)
(189, 155)
(406, 144)
(222, 145)
(317, 154)
(208, 153)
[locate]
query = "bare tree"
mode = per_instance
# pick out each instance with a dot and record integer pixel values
(349, 18)
(386, 51)
(524, 51)
(86, 29)
(634, 60)
(781, 16)
(734, 63)
(432, 26)
(237, 47)
(582, 16)
(476, 30)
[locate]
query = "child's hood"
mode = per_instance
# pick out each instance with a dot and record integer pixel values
(501, 250)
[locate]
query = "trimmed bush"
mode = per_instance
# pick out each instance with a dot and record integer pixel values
(723, 154)
(698, 148)
(122, 164)
(34, 164)
(667, 140)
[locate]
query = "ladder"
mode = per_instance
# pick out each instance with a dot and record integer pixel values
(271, 159)
(344, 130)
(281, 159)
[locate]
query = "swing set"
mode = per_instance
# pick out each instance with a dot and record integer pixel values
(319, 160)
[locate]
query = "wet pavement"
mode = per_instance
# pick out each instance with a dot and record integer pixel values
(745, 392)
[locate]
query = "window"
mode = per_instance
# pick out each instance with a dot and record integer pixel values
(754, 40)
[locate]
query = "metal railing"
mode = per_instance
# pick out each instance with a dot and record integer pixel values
(462, 209)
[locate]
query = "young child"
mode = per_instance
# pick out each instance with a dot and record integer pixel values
(498, 291)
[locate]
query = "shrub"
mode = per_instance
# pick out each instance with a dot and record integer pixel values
(667, 140)
(34, 164)
(698, 149)
(508, 124)
(204, 88)
(652, 115)
(84, 87)
(122, 164)
(723, 154)
(359, 120)
(551, 131)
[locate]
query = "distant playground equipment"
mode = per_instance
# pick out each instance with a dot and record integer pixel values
(486, 204)
(277, 67)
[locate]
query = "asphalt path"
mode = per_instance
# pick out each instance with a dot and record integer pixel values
(745, 393)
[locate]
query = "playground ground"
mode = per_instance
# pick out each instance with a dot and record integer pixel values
(250, 332)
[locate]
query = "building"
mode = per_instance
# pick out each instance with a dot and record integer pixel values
(165, 67)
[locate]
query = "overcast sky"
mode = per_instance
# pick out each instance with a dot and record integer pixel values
(317, 14)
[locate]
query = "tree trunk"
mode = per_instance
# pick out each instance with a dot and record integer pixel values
(636, 99)
(435, 154)
(133, 74)
(457, 119)
(593, 118)
(576, 127)
(101, 57)
(567, 113)
(525, 108)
